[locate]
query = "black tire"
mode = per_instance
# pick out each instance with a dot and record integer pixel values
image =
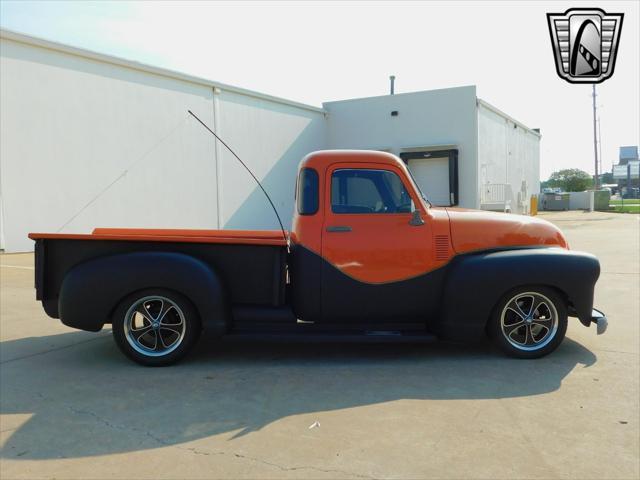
(163, 315)
(523, 333)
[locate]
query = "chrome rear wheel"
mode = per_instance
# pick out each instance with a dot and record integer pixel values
(154, 326)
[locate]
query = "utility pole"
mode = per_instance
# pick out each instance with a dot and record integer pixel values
(595, 137)
(601, 170)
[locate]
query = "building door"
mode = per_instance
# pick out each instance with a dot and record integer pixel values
(436, 173)
(432, 175)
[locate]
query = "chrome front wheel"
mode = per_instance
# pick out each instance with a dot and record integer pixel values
(529, 322)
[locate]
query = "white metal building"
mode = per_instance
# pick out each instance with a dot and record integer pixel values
(91, 140)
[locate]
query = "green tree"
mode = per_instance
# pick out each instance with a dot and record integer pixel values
(571, 180)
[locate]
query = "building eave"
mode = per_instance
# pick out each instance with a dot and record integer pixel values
(134, 65)
(488, 106)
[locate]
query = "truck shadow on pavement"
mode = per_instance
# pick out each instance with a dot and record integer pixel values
(87, 399)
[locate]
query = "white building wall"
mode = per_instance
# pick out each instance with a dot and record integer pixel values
(436, 118)
(71, 125)
(271, 138)
(492, 147)
(508, 153)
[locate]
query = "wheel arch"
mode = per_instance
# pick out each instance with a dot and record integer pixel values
(99, 285)
(484, 278)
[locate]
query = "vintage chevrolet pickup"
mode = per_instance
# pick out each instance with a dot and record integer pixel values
(368, 258)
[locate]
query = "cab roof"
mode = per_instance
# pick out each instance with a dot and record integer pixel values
(320, 159)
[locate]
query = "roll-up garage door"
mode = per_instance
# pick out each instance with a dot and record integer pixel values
(436, 173)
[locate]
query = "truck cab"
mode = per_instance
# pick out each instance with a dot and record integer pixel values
(362, 226)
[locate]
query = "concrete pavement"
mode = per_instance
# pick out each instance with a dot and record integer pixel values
(71, 406)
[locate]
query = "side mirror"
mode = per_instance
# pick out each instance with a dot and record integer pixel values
(416, 219)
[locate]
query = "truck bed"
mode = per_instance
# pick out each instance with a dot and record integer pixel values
(251, 264)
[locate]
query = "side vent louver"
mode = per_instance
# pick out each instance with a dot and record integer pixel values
(442, 247)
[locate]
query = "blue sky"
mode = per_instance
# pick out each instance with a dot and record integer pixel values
(314, 52)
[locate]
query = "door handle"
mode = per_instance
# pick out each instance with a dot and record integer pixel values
(339, 228)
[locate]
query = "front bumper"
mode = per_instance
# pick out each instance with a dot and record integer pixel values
(600, 320)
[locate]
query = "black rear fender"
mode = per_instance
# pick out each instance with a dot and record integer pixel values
(91, 290)
(476, 282)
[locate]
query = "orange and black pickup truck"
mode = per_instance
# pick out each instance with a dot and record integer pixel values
(367, 258)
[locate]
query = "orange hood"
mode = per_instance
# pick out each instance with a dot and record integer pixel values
(480, 230)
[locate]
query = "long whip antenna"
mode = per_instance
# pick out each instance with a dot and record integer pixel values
(275, 210)
(123, 174)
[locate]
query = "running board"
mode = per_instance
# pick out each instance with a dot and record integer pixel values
(372, 336)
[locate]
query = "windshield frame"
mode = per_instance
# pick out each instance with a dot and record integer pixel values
(417, 187)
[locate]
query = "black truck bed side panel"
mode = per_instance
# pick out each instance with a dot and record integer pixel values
(251, 274)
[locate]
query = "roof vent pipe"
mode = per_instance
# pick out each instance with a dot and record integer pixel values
(393, 80)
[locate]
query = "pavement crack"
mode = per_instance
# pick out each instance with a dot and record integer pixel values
(115, 426)
(301, 467)
(618, 273)
(618, 351)
(197, 451)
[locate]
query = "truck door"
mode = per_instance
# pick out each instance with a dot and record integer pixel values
(376, 261)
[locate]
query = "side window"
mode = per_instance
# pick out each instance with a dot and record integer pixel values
(307, 193)
(368, 191)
